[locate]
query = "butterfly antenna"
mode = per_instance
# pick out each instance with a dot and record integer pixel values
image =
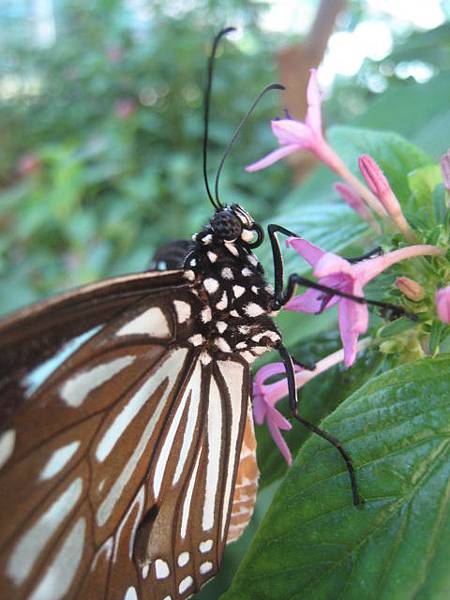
(268, 88)
(207, 102)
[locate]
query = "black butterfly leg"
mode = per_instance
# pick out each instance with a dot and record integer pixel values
(287, 360)
(282, 296)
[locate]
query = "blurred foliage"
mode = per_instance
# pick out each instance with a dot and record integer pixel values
(101, 157)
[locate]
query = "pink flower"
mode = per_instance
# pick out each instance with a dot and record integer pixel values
(264, 406)
(379, 186)
(445, 168)
(442, 300)
(266, 396)
(337, 273)
(296, 135)
(124, 108)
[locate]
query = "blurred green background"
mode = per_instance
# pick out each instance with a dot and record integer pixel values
(101, 127)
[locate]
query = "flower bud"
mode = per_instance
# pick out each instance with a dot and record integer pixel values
(410, 288)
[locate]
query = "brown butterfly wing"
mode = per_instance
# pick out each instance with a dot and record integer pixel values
(93, 502)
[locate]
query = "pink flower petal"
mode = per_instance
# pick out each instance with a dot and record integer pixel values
(268, 371)
(332, 264)
(271, 158)
(442, 300)
(314, 99)
(288, 132)
(353, 320)
(309, 302)
(280, 442)
(259, 408)
(312, 254)
(275, 417)
(366, 270)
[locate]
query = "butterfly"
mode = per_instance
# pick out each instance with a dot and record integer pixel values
(127, 450)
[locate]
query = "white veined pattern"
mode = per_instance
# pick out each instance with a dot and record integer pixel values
(92, 499)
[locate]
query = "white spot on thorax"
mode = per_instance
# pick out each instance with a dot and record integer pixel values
(238, 290)
(221, 326)
(227, 273)
(183, 310)
(189, 275)
(185, 584)
(246, 272)
(29, 547)
(161, 569)
(206, 314)
(232, 248)
(241, 345)
(7, 442)
(183, 559)
(212, 256)
(205, 546)
(259, 349)
(58, 460)
(207, 239)
(254, 289)
(206, 567)
(253, 260)
(223, 302)
(247, 235)
(197, 339)
(211, 285)
(74, 391)
(61, 572)
(234, 313)
(253, 310)
(193, 262)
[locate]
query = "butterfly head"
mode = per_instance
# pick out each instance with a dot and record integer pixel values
(233, 224)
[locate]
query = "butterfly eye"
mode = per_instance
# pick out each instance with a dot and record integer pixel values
(226, 225)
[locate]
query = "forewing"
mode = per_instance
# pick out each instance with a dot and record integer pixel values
(119, 453)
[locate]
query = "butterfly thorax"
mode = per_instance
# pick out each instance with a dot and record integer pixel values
(229, 280)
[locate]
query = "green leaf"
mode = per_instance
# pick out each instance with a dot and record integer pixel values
(314, 544)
